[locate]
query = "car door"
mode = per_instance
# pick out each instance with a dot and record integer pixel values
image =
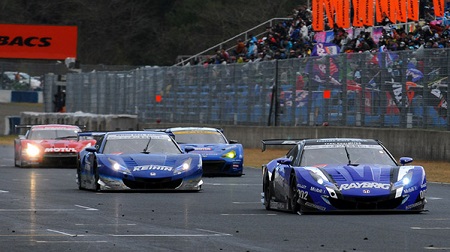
(282, 175)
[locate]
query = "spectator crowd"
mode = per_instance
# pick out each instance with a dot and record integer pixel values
(295, 39)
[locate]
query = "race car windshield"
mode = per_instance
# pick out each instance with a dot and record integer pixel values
(346, 155)
(52, 134)
(199, 137)
(134, 146)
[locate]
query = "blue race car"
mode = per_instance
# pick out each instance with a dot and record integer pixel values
(141, 160)
(220, 156)
(341, 174)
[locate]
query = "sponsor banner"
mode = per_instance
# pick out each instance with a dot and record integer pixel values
(38, 41)
(317, 15)
(439, 7)
(413, 10)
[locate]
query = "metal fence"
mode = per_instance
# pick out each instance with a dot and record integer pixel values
(402, 89)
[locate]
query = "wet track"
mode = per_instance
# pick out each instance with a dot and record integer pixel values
(42, 210)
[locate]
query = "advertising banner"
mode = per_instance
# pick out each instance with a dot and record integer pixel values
(38, 41)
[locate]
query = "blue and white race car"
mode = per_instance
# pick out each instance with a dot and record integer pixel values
(341, 174)
(141, 160)
(220, 156)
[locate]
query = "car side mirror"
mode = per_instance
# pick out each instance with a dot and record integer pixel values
(188, 149)
(91, 149)
(405, 160)
(285, 161)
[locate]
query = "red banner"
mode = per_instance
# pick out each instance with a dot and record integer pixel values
(317, 15)
(38, 41)
(413, 10)
(329, 10)
(343, 13)
(368, 12)
(439, 7)
(358, 14)
(401, 11)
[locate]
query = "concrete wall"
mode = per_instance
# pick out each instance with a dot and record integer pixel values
(91, 122)
(418, 144)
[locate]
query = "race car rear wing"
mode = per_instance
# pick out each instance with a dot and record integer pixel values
(282, 142)
(90, 135)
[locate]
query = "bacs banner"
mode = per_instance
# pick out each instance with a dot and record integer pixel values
(38, 41)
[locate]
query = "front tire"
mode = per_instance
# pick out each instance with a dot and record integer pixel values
(96, 178)
(267, 191)
(294, 196)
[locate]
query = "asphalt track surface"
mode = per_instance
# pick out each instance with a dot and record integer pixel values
(41, 209)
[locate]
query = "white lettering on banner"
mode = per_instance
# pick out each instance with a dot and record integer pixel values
(358, 185)
(60, 150)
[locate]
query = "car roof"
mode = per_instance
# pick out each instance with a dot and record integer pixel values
(326, 141)
(136, 132)
(193, 129)
(55, 126)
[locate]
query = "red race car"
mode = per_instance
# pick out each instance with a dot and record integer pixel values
(49, 145)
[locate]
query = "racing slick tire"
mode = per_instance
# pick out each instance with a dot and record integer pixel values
(79, 178)
(294, 206)
(267, 191)
(96, 177)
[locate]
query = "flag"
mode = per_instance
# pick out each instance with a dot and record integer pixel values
(413, 73)
(322, 49)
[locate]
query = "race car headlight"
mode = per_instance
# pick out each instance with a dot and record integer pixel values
(32, 150)
(185, 166)
(230, 154)
(118, 167)
(320, 178)
(404, 181)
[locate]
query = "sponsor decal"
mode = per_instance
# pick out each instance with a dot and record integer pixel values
(203, 149)
(301, 186)
(60, 150)
(309, 204)
(358, 185)
(152, 168)
(414, 205)
(315, 189)
(411, 189)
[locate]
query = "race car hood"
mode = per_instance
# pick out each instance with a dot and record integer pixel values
(353, 179)
(63, 145)
(141, 165)
(210, 149)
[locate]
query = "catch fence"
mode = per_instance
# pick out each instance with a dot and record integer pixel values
(403, 89)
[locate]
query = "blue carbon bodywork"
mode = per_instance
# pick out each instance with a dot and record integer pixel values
(143, 171)
(148, 169)
(342, 187)
(365, 187)
(215, 159)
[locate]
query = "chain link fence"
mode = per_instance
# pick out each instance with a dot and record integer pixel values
(402, 89)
